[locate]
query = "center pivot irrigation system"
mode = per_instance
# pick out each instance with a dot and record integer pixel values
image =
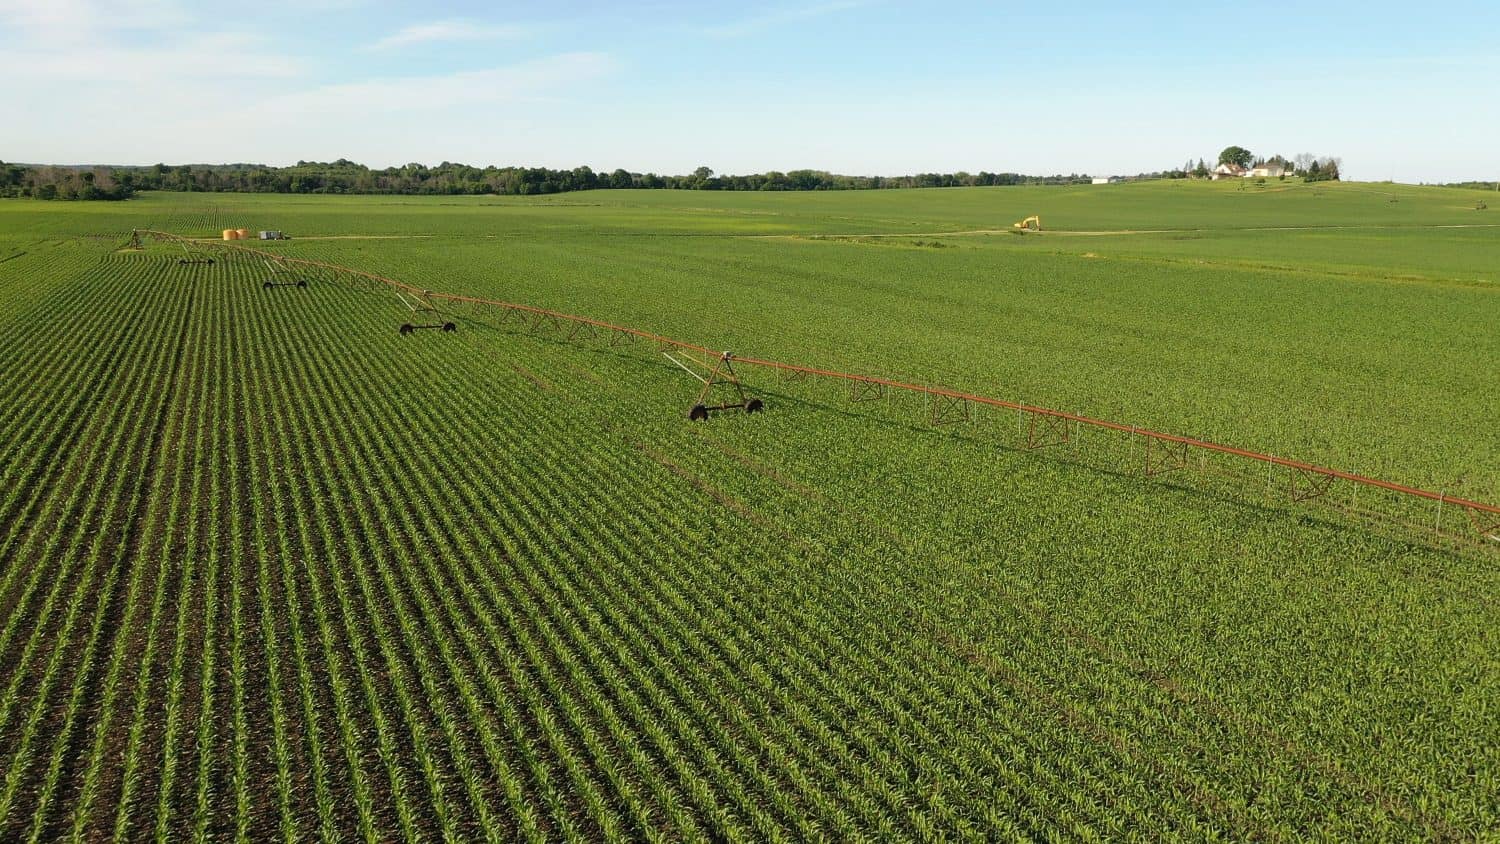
(1038, 427)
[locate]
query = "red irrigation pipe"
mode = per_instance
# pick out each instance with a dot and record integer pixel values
(1206, 445)
(1116, 426)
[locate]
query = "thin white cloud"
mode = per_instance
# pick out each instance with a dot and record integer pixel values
(480, 116)
(60, 21)
(460, 89)
(756, 24)
(446, 30)
(86, 47)
(206, 58)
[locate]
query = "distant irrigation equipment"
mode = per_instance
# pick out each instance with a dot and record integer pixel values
(1247, 474)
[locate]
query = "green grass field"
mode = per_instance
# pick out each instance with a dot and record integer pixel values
(269, 569)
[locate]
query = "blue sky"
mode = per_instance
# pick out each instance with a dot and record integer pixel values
(855, 86)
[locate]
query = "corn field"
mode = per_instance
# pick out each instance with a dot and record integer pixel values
(270, 570)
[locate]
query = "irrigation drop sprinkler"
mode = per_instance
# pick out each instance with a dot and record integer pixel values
(720, 375)
(408, 328)
(301, 282)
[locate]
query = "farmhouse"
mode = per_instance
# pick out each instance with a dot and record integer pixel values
(1108, 180)
(1228, 170)
(1266, 171)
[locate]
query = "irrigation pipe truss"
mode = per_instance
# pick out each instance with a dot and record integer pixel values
(1315, 480)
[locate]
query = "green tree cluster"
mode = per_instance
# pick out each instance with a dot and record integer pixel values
(1321, 170)
(1236, 155)
(64, 182)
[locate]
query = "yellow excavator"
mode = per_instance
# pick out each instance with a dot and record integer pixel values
(1030, 224)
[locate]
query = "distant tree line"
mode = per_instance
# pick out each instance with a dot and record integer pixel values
(65, 182)
(1313, 168)
(344, 176)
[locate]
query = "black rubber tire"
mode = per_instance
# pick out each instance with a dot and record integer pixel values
(754, 406)
(698, 413)
(450, 326)
(407, 328)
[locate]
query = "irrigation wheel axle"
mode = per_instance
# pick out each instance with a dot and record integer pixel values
(408, 328)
